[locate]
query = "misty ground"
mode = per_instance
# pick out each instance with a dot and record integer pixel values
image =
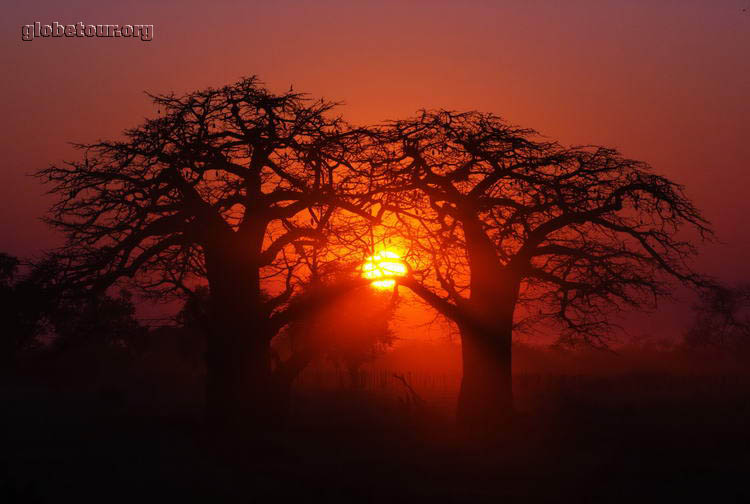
(119, 432)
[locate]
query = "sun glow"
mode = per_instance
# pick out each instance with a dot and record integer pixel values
(383, 264)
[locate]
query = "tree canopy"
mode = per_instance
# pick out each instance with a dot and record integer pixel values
(236, 171)
(581, 231)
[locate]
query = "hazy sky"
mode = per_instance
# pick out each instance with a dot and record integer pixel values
(664, 82)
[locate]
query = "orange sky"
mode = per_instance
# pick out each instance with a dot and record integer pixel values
(664, 82)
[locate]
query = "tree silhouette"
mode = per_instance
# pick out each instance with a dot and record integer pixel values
(21, 309)
(248, 191)
(505, 229)
(349, 331)
(102, 319)
(227, 185)
(34, 306)
(722, 320)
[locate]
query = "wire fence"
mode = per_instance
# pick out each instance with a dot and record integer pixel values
(537, 391)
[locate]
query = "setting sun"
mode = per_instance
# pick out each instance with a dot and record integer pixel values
(383, 264)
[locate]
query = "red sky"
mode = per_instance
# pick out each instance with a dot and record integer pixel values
(664, 82)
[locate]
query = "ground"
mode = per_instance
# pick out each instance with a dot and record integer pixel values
(597, 441)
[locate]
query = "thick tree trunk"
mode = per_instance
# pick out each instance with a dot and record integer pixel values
(486, 395)
(241, 388)
(485, 399)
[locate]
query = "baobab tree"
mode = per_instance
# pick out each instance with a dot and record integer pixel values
(505, 229)
(227, 187)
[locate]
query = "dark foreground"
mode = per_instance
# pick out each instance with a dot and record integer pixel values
(103, 444)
